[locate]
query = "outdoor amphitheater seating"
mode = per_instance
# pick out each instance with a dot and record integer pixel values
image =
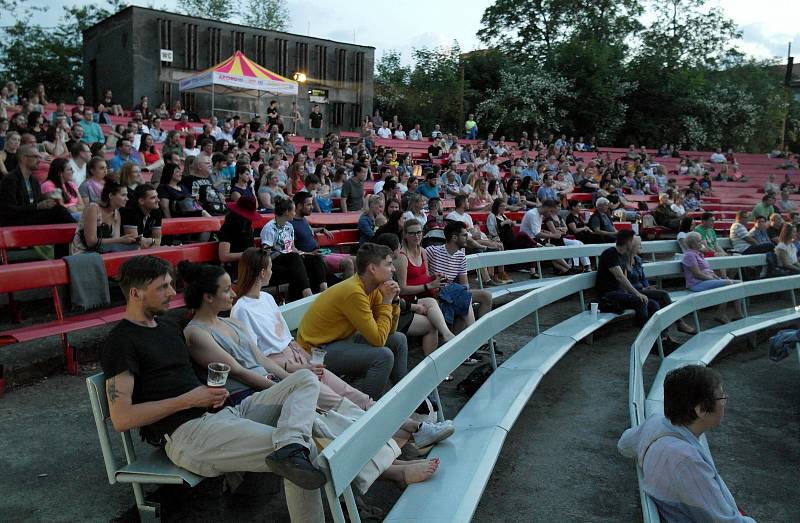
(701, 349)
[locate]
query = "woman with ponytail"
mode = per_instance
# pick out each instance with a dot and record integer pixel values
(211, 339)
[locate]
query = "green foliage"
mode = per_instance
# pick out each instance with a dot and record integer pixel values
(214, 9)
(426, 93)
(31, 54)
(526, 98)
(267, 14)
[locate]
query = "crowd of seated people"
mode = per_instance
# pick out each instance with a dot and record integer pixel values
(407, 280)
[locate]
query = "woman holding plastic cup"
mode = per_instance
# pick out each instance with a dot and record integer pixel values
(213, 340)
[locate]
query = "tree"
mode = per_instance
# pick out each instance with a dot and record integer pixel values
(526, 98)
(267, 14)
(214, 9)
(31, 54)
(391, 83)
(529, 30)
(682, 35)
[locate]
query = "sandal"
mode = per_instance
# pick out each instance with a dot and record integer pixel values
(449, 378)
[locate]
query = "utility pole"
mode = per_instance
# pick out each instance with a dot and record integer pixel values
(786, 84)
(460, 118)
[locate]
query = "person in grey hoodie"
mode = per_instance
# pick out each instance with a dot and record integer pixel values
(678, 471)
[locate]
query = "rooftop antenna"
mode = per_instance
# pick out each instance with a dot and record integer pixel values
(308, 30)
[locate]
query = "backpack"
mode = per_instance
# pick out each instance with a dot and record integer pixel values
(475, 379)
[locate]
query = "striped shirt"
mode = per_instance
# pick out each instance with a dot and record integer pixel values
(441, 261)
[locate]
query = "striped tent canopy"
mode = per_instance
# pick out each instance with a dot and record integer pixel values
(238, 75)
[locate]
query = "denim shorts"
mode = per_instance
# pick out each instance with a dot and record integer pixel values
(707, 285)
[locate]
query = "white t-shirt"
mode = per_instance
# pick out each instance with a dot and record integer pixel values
(264, 321)
(790, 249)
(415, 135)
(466, 218)
(400, 135)
(421, 218)
(385, 132)
(78, 174)
(531, 223)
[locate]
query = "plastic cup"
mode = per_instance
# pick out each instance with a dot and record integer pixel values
(317, 356)
(217, 374)
(595, 307)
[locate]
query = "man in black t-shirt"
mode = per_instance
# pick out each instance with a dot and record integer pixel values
(202, 188)
(315, 124)
(150, 383)
(612, 281)
(143, 219)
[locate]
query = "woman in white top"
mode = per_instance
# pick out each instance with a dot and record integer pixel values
(677, 205)
(213, 339)
(276, 350)
(786, 249)
(399, 133)
(100, 225)
(415, 209)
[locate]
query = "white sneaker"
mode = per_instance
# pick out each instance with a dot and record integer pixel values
(431, 433)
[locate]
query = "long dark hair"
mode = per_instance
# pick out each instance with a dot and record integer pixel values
(110, 187)
(55, 175)
(167, 172)
(200, 279)
(142, 144)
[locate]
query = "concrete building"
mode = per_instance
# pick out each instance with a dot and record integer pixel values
(145, 52)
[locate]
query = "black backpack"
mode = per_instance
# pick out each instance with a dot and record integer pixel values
(475, 379)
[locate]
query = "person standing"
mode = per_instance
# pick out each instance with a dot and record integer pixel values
(315, 124)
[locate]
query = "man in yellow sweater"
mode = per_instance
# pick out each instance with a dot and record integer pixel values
(355, 322)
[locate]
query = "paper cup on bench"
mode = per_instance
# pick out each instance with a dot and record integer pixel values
(595, 308)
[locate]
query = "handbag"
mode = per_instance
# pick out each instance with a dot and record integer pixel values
(475, 379)
(329, 424)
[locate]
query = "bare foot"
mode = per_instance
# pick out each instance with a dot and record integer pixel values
(419, 470)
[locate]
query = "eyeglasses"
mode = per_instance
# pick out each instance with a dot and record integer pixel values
(414, 233)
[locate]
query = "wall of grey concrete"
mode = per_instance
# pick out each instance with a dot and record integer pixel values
(110, 46)
(134, 69)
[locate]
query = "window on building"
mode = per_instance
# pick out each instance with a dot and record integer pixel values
(165, 37)
(355, 116)
(188, 101)
(358, 69)
(341, 65)
(238, 41)
(214, 45)
(166, 93)
(322, 62)
(301, 57)
(281, 56)
(190, 46)
(337, 114)
(260, 44)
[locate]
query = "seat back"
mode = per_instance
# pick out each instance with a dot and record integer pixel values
(97, 397)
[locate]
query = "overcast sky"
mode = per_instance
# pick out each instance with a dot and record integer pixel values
(767, 25)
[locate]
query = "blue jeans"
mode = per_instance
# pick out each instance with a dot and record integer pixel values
(759, 248)
(707, 285)
(627, 300)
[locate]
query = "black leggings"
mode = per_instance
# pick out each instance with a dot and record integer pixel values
(300, 272)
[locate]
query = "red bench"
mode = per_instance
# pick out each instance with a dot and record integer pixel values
(54, 273)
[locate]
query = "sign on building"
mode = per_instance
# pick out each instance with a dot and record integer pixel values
(166, 55)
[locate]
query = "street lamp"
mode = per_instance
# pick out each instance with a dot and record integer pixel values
(299, 77)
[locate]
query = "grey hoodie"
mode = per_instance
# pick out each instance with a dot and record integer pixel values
(679, 473)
